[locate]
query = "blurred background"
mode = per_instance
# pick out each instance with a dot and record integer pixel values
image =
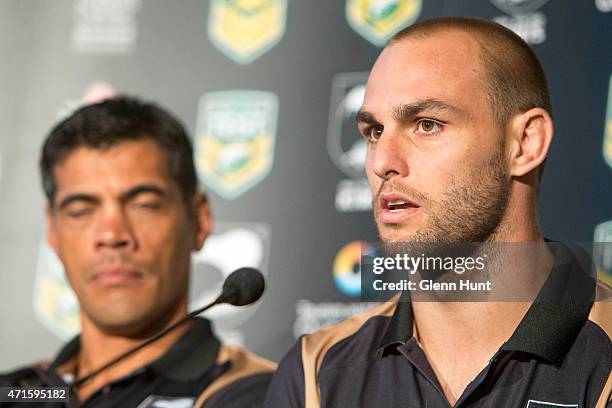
(268, 90)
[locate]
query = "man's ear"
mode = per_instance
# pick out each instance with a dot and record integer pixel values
(51, 228)
(202, 219)
(531, 133)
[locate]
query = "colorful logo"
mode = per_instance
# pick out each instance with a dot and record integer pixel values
(347, 267)
(55, 304)
(379, 20)
(607, 142)
(603, 253)
(235, 134)
(246, 29)
(232, 246)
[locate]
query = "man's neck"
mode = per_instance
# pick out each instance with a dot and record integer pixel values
(98, 348)
(459, 338)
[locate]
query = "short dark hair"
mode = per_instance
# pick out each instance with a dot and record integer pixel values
(515, 78)
(116, 120)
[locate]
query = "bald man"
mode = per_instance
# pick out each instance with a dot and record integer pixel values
(457, 120)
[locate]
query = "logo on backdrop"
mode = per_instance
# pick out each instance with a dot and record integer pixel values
(246, 29)
(345, 145)
(95, 92)
(607, 140)
(235, 134)
(347, 267)
(104, 26)
(55, 304)
(57, 307)
(379, 20)
(524, 18)
(518, 6)
(604, 6)
(313, 316)
(232, 246)
(603, 233)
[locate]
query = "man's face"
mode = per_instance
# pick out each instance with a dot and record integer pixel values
(124, 234)
(435, 160)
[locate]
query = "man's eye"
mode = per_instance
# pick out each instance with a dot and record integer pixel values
(79, 213)
(151, 205)
(373, 133)
(429, 126)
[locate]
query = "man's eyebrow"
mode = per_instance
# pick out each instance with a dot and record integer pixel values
(365, 117)
(403, 113)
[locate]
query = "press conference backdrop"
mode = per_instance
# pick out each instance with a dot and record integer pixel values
(268, 90)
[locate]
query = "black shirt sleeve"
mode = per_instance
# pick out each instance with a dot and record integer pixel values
(287, 388)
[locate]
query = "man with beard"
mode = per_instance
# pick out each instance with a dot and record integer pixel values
(457, 119)
(124, 215)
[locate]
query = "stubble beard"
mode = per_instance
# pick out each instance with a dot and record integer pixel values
(471, 211)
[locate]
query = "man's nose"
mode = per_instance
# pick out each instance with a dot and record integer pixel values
(389, 156)
(115, 230)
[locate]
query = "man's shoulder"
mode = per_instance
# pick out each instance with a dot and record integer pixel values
(363, 328)
(295, 382)
(243, 384)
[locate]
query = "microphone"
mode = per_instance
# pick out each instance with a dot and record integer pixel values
(242, 287)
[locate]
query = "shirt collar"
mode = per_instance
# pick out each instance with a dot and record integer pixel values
(549, 327)
(399, 330)
(560, 309)
(194, 353)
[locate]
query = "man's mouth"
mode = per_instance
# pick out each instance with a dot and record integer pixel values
(117, 276)
(395, 208)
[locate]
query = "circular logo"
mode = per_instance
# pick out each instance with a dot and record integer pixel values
(347, 267)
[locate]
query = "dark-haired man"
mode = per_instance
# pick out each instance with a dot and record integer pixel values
(457, 120)
(124, 214)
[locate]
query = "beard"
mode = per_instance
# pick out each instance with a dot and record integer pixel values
(471, 210)
(470, 213)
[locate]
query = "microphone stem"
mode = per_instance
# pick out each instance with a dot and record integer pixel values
(80, 381)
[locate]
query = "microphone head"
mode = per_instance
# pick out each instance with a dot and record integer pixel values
(243, 287)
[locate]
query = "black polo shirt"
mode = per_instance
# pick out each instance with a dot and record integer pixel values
(196, 370)
(560, 355)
